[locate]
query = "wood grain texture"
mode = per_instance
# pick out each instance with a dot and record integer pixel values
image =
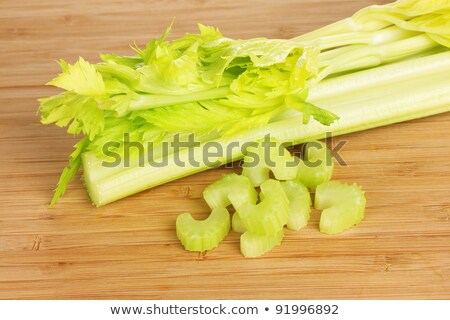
(129, 249)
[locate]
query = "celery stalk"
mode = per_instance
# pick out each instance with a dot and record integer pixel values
(374, 55)
(390, 76)
(166, 100)
(374, 38)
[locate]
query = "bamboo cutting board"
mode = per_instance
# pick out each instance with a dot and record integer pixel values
(129, 249)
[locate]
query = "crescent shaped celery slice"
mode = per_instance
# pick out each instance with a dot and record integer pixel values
(255, 245)
(271, 214)
(317, 165)
(269, 156)
(202, 235)
(299, 204)
(343, 206)
(231, 189)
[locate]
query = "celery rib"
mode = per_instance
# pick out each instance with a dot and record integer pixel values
(375, 55)
(368, 81)
(146, 101)
(356, 38)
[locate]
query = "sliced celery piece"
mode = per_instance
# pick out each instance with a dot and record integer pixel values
(269, 156)
(255, 245)
(201, 235)
(236, 223)
(271, 214)
(317, 165)
(343, 206)
(231, 189)
(299, 204)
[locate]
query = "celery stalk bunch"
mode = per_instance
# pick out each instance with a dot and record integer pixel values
(383, 65)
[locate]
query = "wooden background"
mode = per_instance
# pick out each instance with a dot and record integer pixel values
(129, 249)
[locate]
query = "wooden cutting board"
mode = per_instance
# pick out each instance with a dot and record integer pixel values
(129, 249)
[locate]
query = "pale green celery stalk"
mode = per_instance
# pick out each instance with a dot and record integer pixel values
(367, 46)
(381, 47)
(387, 35)
(378, 17)
(411, 101)
(357, 23)
(347, 25)
(369, 60)
(374, 55)
(362, 84)
(327, 56)
(156, 154)
(146, 101)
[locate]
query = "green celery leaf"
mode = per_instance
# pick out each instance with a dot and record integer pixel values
(81, 78)
(70, 171)
(80, 113)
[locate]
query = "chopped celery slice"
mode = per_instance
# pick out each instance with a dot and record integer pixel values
(317, 165)
(201, 235)
(271, 214)
(254, 245)
(343, 206)
(236, 223)
(269, 156)
(299, 204)
(231, 189)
